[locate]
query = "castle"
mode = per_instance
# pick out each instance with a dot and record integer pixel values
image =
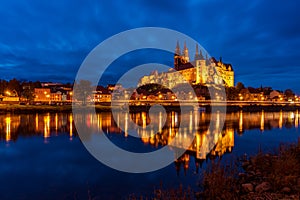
(202, 70)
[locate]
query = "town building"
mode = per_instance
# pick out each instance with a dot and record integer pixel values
(101, 95)
(252, 94)
(53, 93)
(42, 94)
(202, 70)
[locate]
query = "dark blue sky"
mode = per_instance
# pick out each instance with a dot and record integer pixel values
(44, 40)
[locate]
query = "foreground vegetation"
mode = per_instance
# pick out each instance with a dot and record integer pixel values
(263, 176)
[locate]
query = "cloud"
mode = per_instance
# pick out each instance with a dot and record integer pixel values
(256, 37)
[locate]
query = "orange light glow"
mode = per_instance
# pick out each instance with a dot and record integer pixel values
(8, 128)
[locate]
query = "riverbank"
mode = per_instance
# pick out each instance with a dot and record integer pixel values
(23, 109)
(263, 176)
(19, 109)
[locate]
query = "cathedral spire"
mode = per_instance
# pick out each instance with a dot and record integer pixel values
(207, 60)
(186, 52)
(201, 55)
(177, 50)
(197, 53)
(184, 46)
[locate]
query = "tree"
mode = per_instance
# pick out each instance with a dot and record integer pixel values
(3, 86)
(14, 85)
(150, 89)
(239, 86)
(82, 90)
(27, 93)
(289, 93)
(231, 93)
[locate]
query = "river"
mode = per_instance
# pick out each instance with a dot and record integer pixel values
(43, 157)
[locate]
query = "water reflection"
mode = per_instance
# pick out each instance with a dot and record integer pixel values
(8, 129)
(208, 142)
(12, 127)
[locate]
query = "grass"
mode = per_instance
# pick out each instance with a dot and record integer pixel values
(220, 181)
(179, 193)
(281, 169)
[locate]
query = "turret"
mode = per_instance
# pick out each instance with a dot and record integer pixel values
(186, 53)
(198, 56)
(177, 57)
(197, 53)
(201, 57)
(177, 49)
(207, 60)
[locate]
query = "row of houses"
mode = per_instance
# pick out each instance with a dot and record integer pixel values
(55, 93)
(258, 94)
(63, 94)
(52, 93)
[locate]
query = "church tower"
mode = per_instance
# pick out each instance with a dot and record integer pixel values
(186, 54)
(177, 57)
(199, 65)
(197, 53)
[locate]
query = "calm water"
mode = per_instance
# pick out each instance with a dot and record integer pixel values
(42, 157)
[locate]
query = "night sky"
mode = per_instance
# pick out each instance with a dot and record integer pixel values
(48, 40)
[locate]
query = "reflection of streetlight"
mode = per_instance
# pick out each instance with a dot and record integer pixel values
(47, 95)
(71, 94)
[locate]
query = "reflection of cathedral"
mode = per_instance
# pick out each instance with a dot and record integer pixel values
(200, 71)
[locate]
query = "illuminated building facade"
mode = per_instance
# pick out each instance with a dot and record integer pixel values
(46, 95)
(42, 94)
(200, 71)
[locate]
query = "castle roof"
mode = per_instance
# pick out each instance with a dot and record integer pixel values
(227, 66)
(185, 66)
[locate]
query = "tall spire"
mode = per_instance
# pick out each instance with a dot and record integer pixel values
(207, 60)
(177, 50)
(197, 53)
(186, 52)
(201, 55)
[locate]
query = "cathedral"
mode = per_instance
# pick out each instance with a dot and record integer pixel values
(202, 70)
